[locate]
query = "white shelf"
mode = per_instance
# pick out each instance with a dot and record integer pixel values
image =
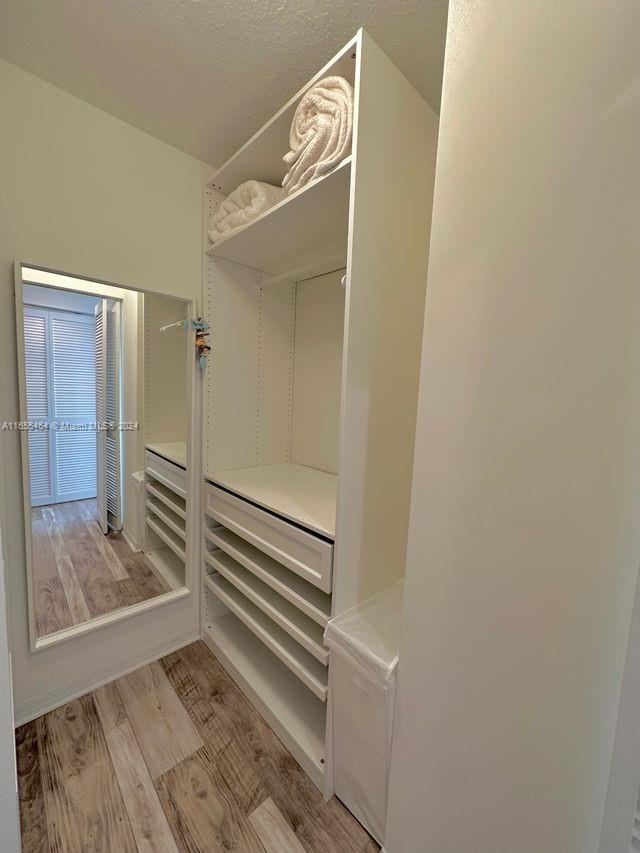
(167, 567)
(304, 630)
(300, 662)
(305, 231)
(261, 157)
(174, 451)
(167, 536)
(168, 497)
(305, 596)
(162, 511)
(303, 495)
(292, 711)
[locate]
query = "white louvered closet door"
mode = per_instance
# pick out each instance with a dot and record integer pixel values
(113, 411)
(37, 382)
(74, 405)
(101, 411)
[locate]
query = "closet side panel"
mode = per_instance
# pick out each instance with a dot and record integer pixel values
(395, 136)
(230, 430)
(317, 372)
(166, 371)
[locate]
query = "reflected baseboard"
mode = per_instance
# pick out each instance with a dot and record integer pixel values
(131, 540)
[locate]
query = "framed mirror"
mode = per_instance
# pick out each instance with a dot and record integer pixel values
(107, 395)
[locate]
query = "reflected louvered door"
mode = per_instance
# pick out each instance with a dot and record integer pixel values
(113, 412)
(74, 404)
(101, 411)
(37, 384)
(634, 846)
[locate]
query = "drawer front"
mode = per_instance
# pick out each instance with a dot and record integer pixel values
(302, 552)
(167, 473)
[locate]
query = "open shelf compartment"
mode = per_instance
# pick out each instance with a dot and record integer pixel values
(305, 596)
(292, 620)
(309, 670)
(292, 711)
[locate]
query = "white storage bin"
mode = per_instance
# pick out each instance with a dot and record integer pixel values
(363, 647)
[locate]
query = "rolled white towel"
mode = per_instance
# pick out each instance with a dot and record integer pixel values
(321, 132)
(246, 202)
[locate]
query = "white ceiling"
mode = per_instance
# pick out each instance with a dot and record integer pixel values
(204, 75)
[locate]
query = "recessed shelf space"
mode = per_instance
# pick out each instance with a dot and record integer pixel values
(161, 510)
(309, 670)
(261, 157)
(300, 494)
(299, 626)
(168, 497)
(171, 539)
(305, 233)
(306, 597)
(294, 713)
(168, 567)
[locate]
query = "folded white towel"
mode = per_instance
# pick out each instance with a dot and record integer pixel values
(246, 202)
(321, 131)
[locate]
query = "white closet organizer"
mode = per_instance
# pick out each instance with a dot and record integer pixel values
(165, 360)
(316, 312)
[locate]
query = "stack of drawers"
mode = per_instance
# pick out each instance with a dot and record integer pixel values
(165, 514)
(275, 577)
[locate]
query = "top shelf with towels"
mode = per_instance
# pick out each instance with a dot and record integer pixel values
(261, 157)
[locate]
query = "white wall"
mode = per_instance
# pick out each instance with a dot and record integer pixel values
(85, 193)
(9, 822)
(525, 536)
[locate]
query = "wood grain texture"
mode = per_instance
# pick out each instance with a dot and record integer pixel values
(86, 782)
(148, 821)
(85, 811)
(79, 573)
(235, 757)
(272, 829)
(33, 817)
(318, 825)
(109, 706)
(52, 610)
(66, 570)
(109, 556)
(202, 810)
(161, 724)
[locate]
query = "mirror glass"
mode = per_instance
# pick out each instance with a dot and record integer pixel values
(105, 394)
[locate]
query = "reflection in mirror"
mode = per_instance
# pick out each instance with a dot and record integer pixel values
(104, 391)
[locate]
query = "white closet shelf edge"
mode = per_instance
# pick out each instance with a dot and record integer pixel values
(300, 494)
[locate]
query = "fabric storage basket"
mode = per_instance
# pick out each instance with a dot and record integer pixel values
(363, 646)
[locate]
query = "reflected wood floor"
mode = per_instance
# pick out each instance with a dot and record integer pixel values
(78, 572)
(172, 757)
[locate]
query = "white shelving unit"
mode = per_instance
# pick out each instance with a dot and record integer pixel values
(165, 518)
(311, 395)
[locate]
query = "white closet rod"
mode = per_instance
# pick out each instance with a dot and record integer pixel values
(298, 274)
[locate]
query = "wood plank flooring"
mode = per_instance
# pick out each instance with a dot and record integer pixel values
(78, 573)
(172, 757)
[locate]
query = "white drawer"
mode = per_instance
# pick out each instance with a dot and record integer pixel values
(170, 475)
(302, 552)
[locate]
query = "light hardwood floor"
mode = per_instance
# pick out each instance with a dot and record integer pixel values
(172, 757)
(78, 572)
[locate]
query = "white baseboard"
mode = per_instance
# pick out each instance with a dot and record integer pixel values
(131, 541)
(63, 693)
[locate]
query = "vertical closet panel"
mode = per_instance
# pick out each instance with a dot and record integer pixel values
(317, 371)
(232, 374)
(35, 346)
(101, 412)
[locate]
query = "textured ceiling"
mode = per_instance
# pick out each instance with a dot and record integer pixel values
(204, 75)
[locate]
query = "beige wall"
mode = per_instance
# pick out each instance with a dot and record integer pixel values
(83, 192)
(525, 534)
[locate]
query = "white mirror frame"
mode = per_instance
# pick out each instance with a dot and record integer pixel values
(194, 409)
